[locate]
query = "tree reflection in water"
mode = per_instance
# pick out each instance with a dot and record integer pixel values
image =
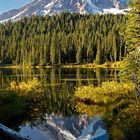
(57, 98)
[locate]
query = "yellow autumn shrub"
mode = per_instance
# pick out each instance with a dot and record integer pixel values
(90, 110)
(26, 87)
(107, 93)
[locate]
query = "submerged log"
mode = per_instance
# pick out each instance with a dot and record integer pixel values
(9, 134)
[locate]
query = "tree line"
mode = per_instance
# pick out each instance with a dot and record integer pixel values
(62, 39)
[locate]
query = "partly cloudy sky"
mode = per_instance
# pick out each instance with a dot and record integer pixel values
(6, 5)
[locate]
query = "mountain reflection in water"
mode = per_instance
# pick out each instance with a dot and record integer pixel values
(57, 100)
(60, 128)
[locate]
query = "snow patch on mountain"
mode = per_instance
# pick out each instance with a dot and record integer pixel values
(19, 14)
(115, 11)
(14, 17)
(50, 5)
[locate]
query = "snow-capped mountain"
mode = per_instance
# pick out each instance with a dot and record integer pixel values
(51, 7)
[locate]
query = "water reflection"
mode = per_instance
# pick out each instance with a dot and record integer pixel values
(58, 76)
(57, 99)
(59, 86)
(60, 128)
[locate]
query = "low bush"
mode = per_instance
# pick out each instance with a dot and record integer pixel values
(107, 93)
(116, 103)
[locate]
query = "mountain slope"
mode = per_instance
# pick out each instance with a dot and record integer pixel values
(51, 7)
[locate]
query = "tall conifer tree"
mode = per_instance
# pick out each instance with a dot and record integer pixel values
(132, 35)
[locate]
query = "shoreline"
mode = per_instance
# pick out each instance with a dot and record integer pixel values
(115, 65)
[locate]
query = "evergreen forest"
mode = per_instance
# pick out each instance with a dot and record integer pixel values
(63, 39)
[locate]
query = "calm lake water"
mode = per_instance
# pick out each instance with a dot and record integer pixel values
(69, 77)
(57, 110)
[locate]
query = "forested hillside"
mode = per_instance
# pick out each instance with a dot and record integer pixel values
(65, 38)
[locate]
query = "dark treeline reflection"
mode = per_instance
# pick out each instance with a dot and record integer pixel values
(57, 76)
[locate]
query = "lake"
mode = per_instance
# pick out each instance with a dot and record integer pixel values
(58, 76)
(56, 111)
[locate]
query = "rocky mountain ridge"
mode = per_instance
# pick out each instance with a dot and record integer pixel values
(52, 7)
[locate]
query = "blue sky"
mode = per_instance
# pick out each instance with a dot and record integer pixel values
(6, 5)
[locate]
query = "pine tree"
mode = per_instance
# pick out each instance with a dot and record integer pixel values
(53, 49)
(67, 38)
(98, 53)
(132, 35)
(133, 26)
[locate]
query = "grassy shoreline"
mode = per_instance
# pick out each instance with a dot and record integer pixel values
(88, 65)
